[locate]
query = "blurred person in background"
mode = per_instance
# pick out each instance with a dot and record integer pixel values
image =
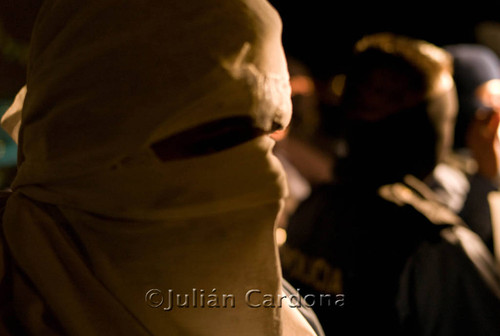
(378, 235)
(470, 173)
(299, 146)
(8, 152)
(145, 169)
(14, 41)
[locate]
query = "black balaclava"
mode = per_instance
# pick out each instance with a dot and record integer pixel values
(398, 120)
(410, 141)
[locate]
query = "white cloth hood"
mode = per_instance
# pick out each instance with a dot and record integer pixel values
(96, 220)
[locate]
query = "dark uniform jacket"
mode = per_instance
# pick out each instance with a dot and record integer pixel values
(394, 261)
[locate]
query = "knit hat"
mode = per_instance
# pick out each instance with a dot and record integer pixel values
(474, 65)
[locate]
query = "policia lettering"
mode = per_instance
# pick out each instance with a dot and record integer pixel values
(311, 271)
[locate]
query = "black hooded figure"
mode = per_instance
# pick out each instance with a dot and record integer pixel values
(377, 236)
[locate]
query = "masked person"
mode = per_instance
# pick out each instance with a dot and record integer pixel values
(147, 192)
(404, 263)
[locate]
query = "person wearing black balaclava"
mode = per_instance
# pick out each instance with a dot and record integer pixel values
(403, 263)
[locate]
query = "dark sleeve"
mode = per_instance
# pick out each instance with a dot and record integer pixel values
(312, 219)
(451, 287)
(476, 210)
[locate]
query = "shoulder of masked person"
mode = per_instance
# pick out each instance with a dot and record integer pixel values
(374, 242)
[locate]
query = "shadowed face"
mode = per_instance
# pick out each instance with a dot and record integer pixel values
(411, 140)
(489, 94)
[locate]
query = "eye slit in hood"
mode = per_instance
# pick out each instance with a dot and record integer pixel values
(207, 138)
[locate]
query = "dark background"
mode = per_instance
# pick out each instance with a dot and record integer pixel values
(318, 32)
(16, 21)
(321, 33)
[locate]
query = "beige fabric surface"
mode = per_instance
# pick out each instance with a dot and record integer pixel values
(96, 221)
